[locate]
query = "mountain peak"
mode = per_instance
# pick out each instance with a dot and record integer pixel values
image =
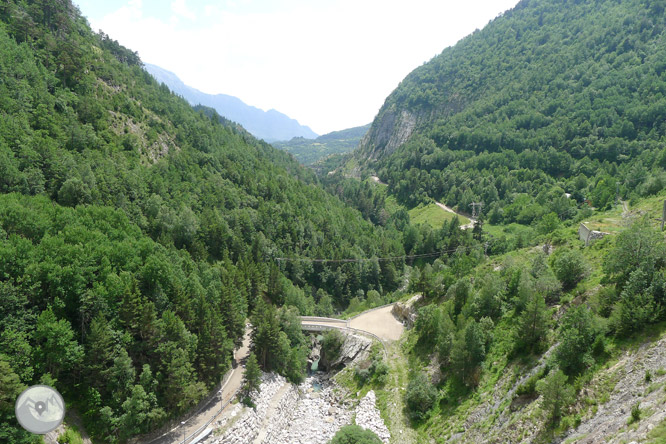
(270, 125)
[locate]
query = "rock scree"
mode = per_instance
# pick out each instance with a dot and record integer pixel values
(368, 417)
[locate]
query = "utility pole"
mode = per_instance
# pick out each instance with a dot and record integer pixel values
(663, 216)
(476, 209)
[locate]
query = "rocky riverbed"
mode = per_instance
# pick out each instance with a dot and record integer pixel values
(316, 416)
(368, 417)
(310, 413)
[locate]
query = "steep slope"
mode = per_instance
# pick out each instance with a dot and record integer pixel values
(311, 151)
(539, 347)
(550, 94)
(268, 125)
(137, 234)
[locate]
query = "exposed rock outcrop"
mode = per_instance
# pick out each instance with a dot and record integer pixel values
(354, 348)
(406, 311)
(388, 132)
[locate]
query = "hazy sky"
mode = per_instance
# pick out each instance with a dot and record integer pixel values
(327, 63)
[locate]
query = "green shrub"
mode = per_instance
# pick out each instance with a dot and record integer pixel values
(331, 345)
(362, 374)
(529, 386)
(70, 436)
(570, 267)
(353, 434)
(420, 397)
(635, 413)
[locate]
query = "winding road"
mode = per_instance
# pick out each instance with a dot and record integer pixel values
(378, 323)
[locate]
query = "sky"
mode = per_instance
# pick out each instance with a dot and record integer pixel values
(329, 64)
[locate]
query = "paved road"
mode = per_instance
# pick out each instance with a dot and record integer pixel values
(379, 322)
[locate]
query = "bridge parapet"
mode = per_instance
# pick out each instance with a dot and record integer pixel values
(321, 327)
(323, 320)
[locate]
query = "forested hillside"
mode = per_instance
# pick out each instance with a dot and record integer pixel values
(137, 235)
(309, 152)
(551, 115)
(550, 97)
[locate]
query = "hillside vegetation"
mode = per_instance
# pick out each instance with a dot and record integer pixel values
(138, 235)
(551, 115)
(550, 97)
(309, 152)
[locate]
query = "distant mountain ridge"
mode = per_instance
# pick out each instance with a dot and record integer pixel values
(269, 125)
(308, 151)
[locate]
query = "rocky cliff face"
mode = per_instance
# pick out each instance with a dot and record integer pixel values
(406, 311)
(354, 348)
(390, 129)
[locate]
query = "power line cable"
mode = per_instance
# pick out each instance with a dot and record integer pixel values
(389, 258)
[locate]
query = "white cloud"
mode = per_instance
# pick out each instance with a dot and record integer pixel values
(180, 8)
(328, 65)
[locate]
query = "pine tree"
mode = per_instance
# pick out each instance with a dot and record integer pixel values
(532, 323)
(251, 377)
(265, 334)
(99, 352)
(213, 348)
(556, 394)
(468, 351)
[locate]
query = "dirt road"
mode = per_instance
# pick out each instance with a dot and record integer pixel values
(468, 226)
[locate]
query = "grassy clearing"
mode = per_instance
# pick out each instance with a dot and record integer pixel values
(391, 204)
(433, 215)
(391, 398)
(615, 220)
(510, 231)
